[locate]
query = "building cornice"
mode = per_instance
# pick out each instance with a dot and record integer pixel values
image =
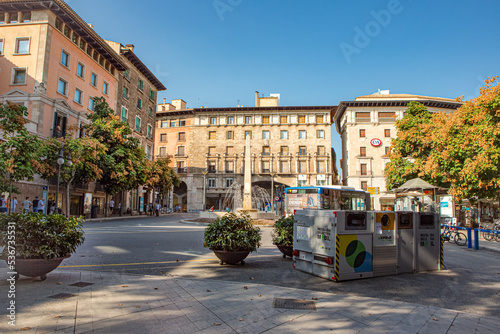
(132, 57)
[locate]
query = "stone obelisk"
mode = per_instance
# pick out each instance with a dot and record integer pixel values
(247, 187)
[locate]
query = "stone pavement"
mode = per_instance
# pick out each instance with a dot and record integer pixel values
(117, 303)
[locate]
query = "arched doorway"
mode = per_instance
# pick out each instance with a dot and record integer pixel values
(180, 197)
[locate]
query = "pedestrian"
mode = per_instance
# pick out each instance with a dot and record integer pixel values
(35, 204)
(41, 206)
(111, 206)
(26, 205)
(3, 204)
(158, 206)
(120, 208)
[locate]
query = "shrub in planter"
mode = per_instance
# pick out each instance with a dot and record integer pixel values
(232, 233)
(283, 235)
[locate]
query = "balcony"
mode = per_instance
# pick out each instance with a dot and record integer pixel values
(182, 170)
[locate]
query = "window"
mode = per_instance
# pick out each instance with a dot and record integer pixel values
(93, 79)
(65, 58)
(362, 151)
(91, 103)
(265, 134)
(212, 135)
(124, 114)
(362, 133)
(320, 150)
(18, 76)
(248, 119)
(211, 150)
(26, 17)
(181, 151)
(164, 124)
(364, 185)
(163, 137)
(302, 134)
(302, 150)
(139, 103)
(78, 96)
(284, 167)
(140, 84)
(211, 167)
(182, 122)
(302, 167)
(105, 88)
(150, 131)
(22, 46)
(363, 115)
(181, 136)
(229, 166)
(66, 31)
(213, 120)
(283, 134)
(230, 120)
(363, 169)
(173, 124)
(59, 129)
(319, 119)
(180, 167)
(58, 24)
(80, 70)
(82, 44)
(126, 73)
(229, 135)
(283, 119)
(229, 183)
(62, 87)
(162, 151)
(1, 46)
(152, 94)
(229, 150)
(284, 150)
(212, 182)
(302, 119)
(148, 152)
(150, 112)
(321, 167)
(266, 166)
(387, 132)
(248, 134)
(137, 124)
(265, 119)
(266, 150)
(89, 50)
(125, 93)
(321, 134)
(387, 115)
(387, 150)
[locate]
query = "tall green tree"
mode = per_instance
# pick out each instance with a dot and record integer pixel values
(20, 151)
(161, 176)
(123, 164)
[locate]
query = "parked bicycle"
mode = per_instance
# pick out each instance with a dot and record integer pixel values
(494, 227)
(453, 235)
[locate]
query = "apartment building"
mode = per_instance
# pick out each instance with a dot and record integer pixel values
(136, 105)
(367, 127)
(290, 146)
(53, 63)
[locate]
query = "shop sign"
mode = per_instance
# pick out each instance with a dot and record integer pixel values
(376, 142)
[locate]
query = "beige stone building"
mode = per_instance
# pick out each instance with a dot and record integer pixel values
(290, 146)
(367, 127)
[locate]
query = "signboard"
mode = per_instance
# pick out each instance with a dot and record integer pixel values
(321, 177)
(276, 198)
(376, 142)
(141, 204)
(87, 202)
(446, 206)
(302, 177)
(374, 190)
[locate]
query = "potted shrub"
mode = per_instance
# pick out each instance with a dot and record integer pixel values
(283, 235)
(232, 237)
(35, 244)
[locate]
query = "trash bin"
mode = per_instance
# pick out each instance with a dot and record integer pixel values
(93, 211)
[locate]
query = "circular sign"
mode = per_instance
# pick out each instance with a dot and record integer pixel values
(376, 142)
(276, 199)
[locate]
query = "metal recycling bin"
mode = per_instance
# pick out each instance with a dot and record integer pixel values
(385, 255)
(428, 238)
(406, 234)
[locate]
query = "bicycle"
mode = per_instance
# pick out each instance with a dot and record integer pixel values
(491, 236)
(453, 235)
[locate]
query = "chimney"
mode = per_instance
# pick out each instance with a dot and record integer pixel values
(130, 47)
(164, 100)
(257, 100)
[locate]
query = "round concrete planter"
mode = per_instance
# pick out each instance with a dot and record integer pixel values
(231, 257)
(37, 267)
(286, 250)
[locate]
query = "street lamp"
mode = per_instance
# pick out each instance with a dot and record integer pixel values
(273, 174)
(277, 194)
(204, 187)
(60, 162)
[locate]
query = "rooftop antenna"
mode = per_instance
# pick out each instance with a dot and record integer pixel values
(238, 103)
(198, 102)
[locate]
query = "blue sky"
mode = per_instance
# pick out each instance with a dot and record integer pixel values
(216, 53)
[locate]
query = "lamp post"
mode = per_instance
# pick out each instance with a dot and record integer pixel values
(60, 162)
(273, 174)
(204, 187)
(277, 194)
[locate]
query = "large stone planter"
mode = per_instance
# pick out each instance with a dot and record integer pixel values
(37, 267)
(286, 250)
(231, 257)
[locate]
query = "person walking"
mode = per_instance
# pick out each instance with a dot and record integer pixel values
(35, 204)
(26, 205)
(3, 204)
(111, 206)
(41, 206)
(120, 209)
(158, 206)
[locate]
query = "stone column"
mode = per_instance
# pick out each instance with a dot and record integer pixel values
(247, 189)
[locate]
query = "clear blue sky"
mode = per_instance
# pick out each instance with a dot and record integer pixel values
(216, 53)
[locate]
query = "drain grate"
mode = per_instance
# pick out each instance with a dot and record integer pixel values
(81, 284)
(61, 296)
(294, 304)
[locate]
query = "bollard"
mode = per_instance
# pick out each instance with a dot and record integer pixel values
(476, 239)
(469, 238)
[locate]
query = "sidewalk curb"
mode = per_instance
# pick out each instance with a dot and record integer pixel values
(128, 216)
